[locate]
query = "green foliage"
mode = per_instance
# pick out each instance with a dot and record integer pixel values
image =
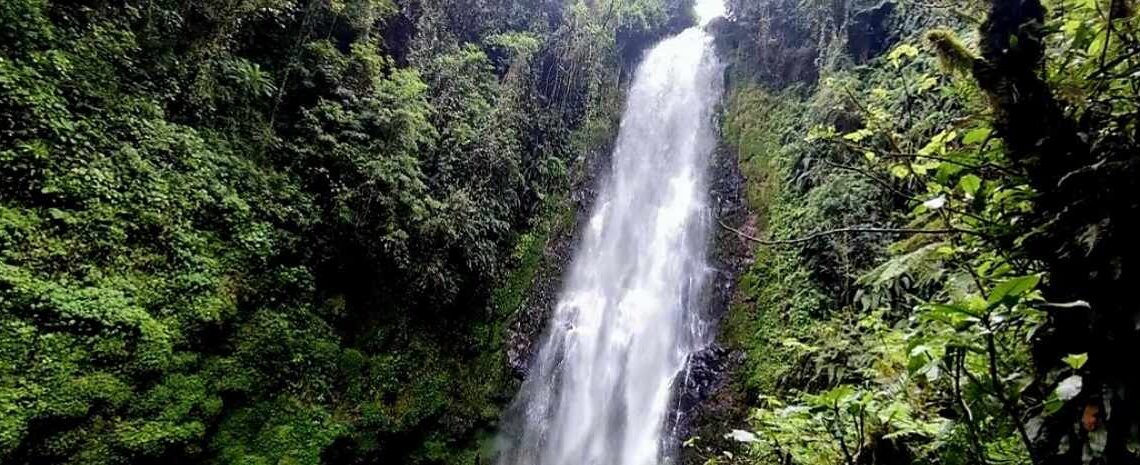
(778, 285)
(279, 431)
(278, 232)
(930, 353)
(529, 255)
(794, 195)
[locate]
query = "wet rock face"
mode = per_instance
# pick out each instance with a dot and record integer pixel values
(869, 32)
(699, 391)
(525, 331)
(526, 327)
(705, 402)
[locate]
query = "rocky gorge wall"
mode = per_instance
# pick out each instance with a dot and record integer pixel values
(710, 398)
(703, 397)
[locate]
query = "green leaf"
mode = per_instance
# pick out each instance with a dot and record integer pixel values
(900, 171)
(858, 136)
(1053, 404)
(1009, 290)
(795, 344)
(926, 83)
(1098, 44)
(953, 315)
(835, 396)
(904, 50)
(975, 136)
(1076, 361)
(970, 184)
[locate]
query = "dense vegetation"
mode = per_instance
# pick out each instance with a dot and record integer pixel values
(944, 196)
(283, 231)
(292, 231)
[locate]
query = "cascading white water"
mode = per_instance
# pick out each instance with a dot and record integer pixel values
(629, 315)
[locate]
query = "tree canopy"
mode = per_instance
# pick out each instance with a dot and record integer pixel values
(270, 231)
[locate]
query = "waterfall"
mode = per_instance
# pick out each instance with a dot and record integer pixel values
(630, 313)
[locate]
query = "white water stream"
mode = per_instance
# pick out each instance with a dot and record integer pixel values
(630, 316)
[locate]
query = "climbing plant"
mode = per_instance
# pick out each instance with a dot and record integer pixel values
(980, 332)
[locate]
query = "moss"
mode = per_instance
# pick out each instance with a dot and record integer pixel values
(953, 55)
(776, 294)
(527, 257)
(787, 291)
(775, 301)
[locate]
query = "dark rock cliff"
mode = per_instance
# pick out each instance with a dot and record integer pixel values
(705, 401)
(524, 332)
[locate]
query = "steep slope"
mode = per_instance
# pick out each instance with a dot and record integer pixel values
(283, 231)
(940, 198)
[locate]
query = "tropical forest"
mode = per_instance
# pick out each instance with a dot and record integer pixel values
(569, 232)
